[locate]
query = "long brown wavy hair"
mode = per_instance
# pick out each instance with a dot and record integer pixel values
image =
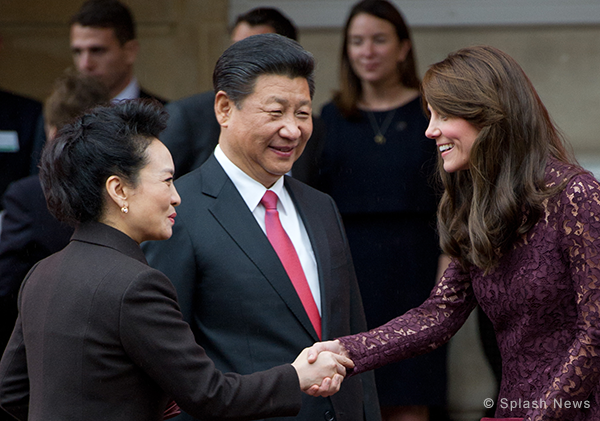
(350, 91)
(486, 208)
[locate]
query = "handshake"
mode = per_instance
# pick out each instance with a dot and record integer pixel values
(322, 367)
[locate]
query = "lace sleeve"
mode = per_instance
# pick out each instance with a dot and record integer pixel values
(419, 330)
(579, 373)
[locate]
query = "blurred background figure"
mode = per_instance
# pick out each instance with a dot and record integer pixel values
(263, 20)
(18, 117)
(104, 46)
(377, 165)
(192, 132)
(30, 233)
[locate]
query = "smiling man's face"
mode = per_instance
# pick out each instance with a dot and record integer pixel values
(267, 133)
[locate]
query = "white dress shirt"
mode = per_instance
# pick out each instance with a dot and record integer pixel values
(131, 91)
(252, 192)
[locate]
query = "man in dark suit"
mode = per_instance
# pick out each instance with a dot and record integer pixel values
(18, 116)
(251, 306)
(193, 131)
(30, 233)
(104, 46)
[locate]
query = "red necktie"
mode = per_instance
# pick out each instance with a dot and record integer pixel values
(289, 258)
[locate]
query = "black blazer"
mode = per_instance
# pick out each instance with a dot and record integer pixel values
(100, 337)
(29, 234)
(193, 131)
(237, 296)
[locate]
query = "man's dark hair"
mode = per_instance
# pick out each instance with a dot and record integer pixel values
(109, 140)
(271, 17)
(107, 14)
(243, 62)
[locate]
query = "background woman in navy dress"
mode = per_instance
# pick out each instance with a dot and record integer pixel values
(377, 165)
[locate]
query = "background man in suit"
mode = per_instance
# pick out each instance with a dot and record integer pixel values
(193, 131)
(104, 46)
(30, 232)
(18, 116)
(250, 305)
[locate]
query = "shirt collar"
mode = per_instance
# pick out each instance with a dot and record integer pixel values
(250, 189)
(131, 91)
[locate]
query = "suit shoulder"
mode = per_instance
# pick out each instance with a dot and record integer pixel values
(27, 183)
(106, 262)
(19, 104)
(328, 107)
(6, 96)
(148, 95)
(303, 190)
(192, 105)
(192, 190)
(189, 181)
(23, 188)
(296, 184)
(207, 97)
(328, 110)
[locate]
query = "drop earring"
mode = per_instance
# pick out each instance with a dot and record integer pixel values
(124, 209)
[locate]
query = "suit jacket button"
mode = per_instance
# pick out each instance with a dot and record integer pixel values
(329, 416)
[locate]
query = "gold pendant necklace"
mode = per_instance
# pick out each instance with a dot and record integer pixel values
(380, 131)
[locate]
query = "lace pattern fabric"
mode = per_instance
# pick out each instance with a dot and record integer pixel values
(544, 301)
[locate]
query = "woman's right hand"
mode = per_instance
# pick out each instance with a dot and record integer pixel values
(332, 346)
(323, 376)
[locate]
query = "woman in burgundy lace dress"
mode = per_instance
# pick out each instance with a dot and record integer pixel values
(521, 221)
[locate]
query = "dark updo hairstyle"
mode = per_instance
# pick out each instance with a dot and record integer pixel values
(109, 140)
(350, 91)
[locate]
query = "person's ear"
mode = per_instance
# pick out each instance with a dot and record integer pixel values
(117, 191)
(131, 49)
(223, 108)
(50, 131)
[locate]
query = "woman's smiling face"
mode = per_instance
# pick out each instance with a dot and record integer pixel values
(454, 138)
(374, 49)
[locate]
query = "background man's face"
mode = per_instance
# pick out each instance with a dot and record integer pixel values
(97, 52)
(269, 132)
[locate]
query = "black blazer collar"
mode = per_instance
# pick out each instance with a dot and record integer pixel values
(106, 236)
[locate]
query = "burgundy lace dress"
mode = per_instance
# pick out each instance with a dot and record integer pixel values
(544, 302)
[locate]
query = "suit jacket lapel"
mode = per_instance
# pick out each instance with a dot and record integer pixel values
(232, 213)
